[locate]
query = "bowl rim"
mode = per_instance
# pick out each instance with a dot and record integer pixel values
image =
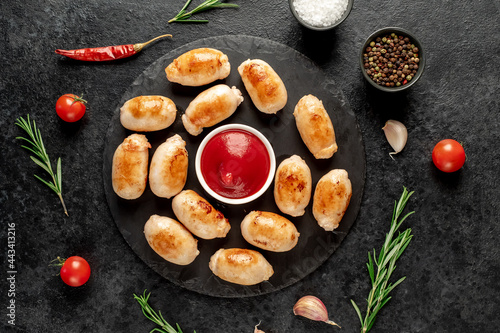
(270, 176)
(312, 27)
(415, 41)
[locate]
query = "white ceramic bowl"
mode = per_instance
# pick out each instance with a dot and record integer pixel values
(270, 176)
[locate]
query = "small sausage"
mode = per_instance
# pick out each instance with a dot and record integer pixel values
(148, 113)
(198, 67)
(263, 84)
(169, 168)
(199, 216)
(241, 266)
(211, 107)
(130, 167)
(315, 127)
(269, 231)
(171, 240)
(331, 198)
(293, 186)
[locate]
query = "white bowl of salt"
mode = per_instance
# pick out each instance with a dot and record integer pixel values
(320, 14)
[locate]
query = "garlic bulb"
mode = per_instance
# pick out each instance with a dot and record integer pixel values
(312, 308)
(396, 134)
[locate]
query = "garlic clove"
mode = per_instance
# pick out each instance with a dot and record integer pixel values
(312, 308)
(396, 134)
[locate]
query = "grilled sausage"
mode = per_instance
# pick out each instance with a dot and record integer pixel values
(331, 198)
(171, 240)
(263, 84)
(130, 167)
(293, 186)
(148, 113)
(211, 107)
(198, 67)
(199, 216)
(269, 231)
(315, 127)
(169, 167)
(241, 266)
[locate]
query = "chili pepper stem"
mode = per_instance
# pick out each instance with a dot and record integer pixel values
(139, 46)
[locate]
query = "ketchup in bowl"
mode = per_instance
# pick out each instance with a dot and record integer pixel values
(236, 163)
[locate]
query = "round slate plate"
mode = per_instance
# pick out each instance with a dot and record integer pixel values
(301, 76)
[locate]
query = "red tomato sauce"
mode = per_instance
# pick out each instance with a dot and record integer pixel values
(235, 164)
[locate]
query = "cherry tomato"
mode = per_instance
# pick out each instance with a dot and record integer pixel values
(75, 271)
(448, 155)
(70, 108)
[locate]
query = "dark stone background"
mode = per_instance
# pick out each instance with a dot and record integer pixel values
(452, 265)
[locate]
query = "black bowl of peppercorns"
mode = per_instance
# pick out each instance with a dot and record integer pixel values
(392, 59)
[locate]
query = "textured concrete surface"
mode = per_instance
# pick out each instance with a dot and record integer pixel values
(452, 265)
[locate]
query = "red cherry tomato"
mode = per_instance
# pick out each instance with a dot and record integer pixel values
(75, 271)
(448, 155)
(70, 108)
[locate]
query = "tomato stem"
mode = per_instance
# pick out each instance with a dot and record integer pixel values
(78, 99)
(60, 262)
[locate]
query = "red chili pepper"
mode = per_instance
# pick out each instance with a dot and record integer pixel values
(108, 52)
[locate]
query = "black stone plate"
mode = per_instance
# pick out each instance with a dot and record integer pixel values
(301, 76)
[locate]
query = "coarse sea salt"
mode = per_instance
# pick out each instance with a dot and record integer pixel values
(320, 13)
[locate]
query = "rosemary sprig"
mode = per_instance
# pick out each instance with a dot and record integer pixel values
(156, 318)
(183, 16)
(41, 159)
(386, 264)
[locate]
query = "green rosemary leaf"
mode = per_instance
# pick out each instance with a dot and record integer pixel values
(35, 152)
(405, 245)
(59, 175)
(394, 285)
(375, 260)
(192, 21)
(25, 139)
(391, 254)
(156, 329)
(40, 163)
(357, 311)
(403, 219)
(52, 187)
(371, 269)
(225, 5)
(381, 305)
